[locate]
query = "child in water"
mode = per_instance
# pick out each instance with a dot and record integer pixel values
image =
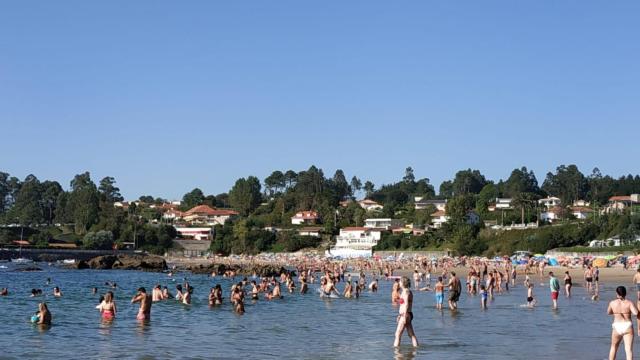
(530, 300)
(483, 296)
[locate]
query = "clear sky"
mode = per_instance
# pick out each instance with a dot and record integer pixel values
(166, 95)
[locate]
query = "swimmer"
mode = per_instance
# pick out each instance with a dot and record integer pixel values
(405, 314)
(108, 307)
(395, 291)
(179, 292)
(373, 287)
(4, 292)
(165, 293)
(212, 296)
(94, 291)
(186, 297)
(254, 290)
(57, 292)
(483, 296)
(622, 327)
(217, 300)
(156, 293)
(347, 290)
(144, 313)
(43, 315)
(238, 299)
(303, 284)
(530, 300)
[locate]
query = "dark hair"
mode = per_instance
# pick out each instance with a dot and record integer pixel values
(453, 273)
(142, 290)
(621, 291)
(550, 272)
(179, 287)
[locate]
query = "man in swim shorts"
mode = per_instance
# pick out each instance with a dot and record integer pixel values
(144, 314)
(455, 287)
(554, 286)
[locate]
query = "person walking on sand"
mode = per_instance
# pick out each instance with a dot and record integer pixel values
(554, 286)
(622, 327)
(405, 314)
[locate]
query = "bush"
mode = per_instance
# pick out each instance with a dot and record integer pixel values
(101, 240)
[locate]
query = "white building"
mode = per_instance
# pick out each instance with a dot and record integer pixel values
(620, 203)
(503, 204)
(370, 205)
(438, 218)
(581, 212)
(551, 215)
(355, 242)
(383, 223)
(195, 233)
(550, 202)
(206, 215)
(421, 204)
(310, 231)
(305, 217)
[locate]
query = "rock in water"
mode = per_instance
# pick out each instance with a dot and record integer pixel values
(124, 262)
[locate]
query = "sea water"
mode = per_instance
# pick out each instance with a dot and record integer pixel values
(295, 327)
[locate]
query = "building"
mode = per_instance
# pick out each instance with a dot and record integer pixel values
(355, 242)
(553, 214)
(370, 205)
(550, 202)
(621, 203)
(194, 233)
(305, 217)
(581, 212)
(438, 218)
(310, 231)
(386, 223)
(206, 215)
(172, 214)
(503, 204)
(582, 203)
(421, 204)
(473, 218)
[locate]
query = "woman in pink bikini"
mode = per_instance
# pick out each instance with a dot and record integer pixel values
(405, 316)
(108, 307)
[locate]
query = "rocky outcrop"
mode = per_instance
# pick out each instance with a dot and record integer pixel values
(124, 262)
(248, 269)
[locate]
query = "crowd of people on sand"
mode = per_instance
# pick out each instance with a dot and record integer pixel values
(484, 279)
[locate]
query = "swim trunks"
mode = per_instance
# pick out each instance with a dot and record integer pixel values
(454, 295)
(554, 295)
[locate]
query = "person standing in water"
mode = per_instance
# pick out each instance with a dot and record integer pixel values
(439, 290)
(43, 316)
(554, 286)
(567, 284)
(144, 313)
(405, 316)
(622, 327)
(455, 287)
(107, 307)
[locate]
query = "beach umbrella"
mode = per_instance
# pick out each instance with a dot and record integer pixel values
(600, 262)
(610, 257)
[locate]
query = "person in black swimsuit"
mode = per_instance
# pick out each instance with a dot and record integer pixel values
(567, 284)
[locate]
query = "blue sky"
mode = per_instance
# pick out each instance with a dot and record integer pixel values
(166, 96)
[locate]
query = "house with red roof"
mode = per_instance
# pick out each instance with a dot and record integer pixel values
(621, 203)
(305, 217)
(206, 215)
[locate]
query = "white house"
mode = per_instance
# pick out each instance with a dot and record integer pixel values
(310, 231)
(194, 233)
(581, 212)
(422, 204)
(305, 217)
(582, 203)
(370, 205)
(551, 215)
(503, 204)
(355, 242)
(550, 202)
(383, 223)
(620, 203)
(438, 218)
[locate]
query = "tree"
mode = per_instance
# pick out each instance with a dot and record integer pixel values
(222, 200)
(290, 178)
(521, 181)
(446, 189)
(340, 185)
(369, 188)
(245, 195)
(487, 195)
(275, 182)
(28, 203)
(468, 182)
(83, 202)
(146, 199)
(4, 192)
(101, 240)
(567, 183)
(356, 185)
(108, 190)
(408, 175)
(193, 198)
(50, 192)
